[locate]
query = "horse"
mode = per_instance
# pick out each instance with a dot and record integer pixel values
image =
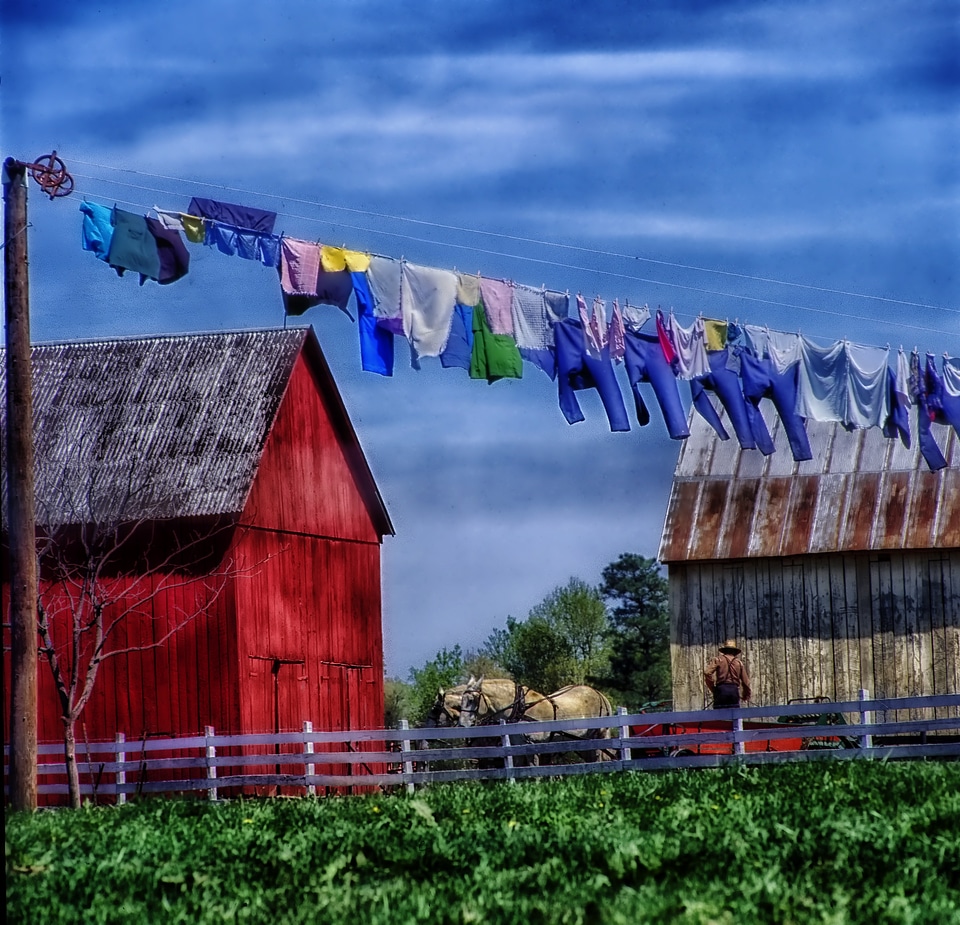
(485, 702)
(446, 708)
(580, 701)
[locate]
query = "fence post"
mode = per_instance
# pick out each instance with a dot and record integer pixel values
(626, 753)
(407, 764)
(308, 769)
(866, 719)
(507, 754)
(121, 756)
(738, 735)
(211, 768)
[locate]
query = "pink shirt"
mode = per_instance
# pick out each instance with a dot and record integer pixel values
(299, 266)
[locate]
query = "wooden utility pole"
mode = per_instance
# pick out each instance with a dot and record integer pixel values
(21, 515)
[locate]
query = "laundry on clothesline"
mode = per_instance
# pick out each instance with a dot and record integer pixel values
(490, 327)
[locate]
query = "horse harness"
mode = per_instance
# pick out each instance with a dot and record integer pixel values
(517, 709)
(440, 707)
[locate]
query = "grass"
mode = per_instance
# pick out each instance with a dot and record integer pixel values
(820, 842)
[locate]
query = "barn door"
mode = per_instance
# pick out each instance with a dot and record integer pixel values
(286, 703)
(353, 694)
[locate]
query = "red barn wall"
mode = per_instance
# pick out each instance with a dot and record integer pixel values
(306, 593)
(310, 639)
(305, 482)
(175, 688)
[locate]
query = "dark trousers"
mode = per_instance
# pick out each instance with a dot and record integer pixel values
(726, 694)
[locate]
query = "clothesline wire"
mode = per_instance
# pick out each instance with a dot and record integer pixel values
(567, 266)
(496, 234)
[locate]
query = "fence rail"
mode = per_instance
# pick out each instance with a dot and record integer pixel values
(405, 757)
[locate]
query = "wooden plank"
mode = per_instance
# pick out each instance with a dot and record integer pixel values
(791, 583)
(681, 636)
(951, 619)
(865, 626)
(914, 635)
(900, 644)
(857, 679)
(774, 651)
(754, 631)
(840, 668)
(881, 608)
(825, 617)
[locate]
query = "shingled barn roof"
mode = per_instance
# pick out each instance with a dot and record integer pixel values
(860, 491)
(165, 427)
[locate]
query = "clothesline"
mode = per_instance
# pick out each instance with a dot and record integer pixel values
(566, 266)
(489, 326)
(509, 237)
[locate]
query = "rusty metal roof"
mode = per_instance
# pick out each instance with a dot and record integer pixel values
(861, 491)
(159, 427)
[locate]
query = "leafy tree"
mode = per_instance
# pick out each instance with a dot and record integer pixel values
(639, 635)
(396, 702)
(103, 564)
(444, 670)
(482, 664)
(561, 642)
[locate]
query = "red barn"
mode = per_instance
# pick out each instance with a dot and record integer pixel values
(249, 531)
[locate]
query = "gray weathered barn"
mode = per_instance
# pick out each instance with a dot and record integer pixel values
(837, 574)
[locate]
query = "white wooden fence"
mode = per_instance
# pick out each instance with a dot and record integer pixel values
(308, 762)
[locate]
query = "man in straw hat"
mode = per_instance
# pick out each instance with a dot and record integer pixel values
(726, 677)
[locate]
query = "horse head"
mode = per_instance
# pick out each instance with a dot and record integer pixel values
(472, 707)
(446, 708)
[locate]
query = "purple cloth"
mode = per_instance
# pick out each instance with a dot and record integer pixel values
(645, 362)
(331, 289)
(174, 257)
(929, 448)
(746, 418)
(230, 214)
(761, 379)
(898, 421)
(238, 242)
(577, 370)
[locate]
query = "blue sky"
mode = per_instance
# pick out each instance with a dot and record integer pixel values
(790, 164)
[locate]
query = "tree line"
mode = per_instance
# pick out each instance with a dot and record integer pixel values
(614, 636)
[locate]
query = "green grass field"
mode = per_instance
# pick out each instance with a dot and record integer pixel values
(823, 842)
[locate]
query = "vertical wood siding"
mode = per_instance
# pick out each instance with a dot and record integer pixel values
(304, 483)
(821, 626)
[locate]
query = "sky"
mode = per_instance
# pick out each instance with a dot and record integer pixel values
(788, 164)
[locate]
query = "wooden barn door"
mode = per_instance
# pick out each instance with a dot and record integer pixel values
(286, 674)
(349, 688)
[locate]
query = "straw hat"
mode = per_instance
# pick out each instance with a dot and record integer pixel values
(730, 647)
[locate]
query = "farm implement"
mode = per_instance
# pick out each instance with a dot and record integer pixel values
(713, 736)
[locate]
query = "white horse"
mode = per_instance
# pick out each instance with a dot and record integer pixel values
(484, 702)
